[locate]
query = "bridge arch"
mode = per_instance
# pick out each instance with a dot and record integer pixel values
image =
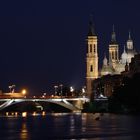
(61, 102)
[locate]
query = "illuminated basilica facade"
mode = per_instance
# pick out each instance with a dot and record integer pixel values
(116, 62)
(116, 65)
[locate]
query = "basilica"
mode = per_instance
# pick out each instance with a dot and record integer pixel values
(115, 64)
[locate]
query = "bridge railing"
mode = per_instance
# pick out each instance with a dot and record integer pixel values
(39, 97)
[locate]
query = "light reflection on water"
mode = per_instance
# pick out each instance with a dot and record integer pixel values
(24, 132)
(72, 126)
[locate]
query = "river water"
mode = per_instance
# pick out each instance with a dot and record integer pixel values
(72, 126)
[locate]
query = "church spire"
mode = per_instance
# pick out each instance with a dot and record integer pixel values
(113, 36)
(124, 51)
(129, 36)
(91, 31)
(129, 42)
(105, 60)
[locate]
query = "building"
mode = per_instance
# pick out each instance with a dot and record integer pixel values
(116, 63)
(105, 85)
(134, 66)
(91, 58)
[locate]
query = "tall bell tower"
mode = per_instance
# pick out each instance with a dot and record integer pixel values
(91, 59)
(113, 50)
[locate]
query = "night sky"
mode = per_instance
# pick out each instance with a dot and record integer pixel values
(43, 43)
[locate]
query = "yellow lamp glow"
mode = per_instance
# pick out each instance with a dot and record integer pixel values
(24, 91)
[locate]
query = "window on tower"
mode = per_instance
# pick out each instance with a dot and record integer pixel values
(91, 68)
(90, 48)
(116, 55)
(94, 48)
(113, 55)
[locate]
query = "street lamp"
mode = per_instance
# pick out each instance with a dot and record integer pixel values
(61, 89)
(55, 90)
(71, 90)
(44, 95)
(24, 92)
(11, 88)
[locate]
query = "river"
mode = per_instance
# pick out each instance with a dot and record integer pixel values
(70, 126)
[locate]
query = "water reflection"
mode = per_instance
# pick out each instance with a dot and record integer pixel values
(7, 114)
(84, 121)
(24, 131)
(16, 114)
(24, 114)
(43, 113)
(70, 126)
(34, 114)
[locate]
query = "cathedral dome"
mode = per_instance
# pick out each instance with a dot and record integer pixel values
(107, 70)
(124, 57)
(119, 68)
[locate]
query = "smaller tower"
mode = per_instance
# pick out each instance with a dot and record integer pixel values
(130, 42)
(113, 50)
(130, 49)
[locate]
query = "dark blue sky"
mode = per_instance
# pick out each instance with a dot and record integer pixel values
(43, 43)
